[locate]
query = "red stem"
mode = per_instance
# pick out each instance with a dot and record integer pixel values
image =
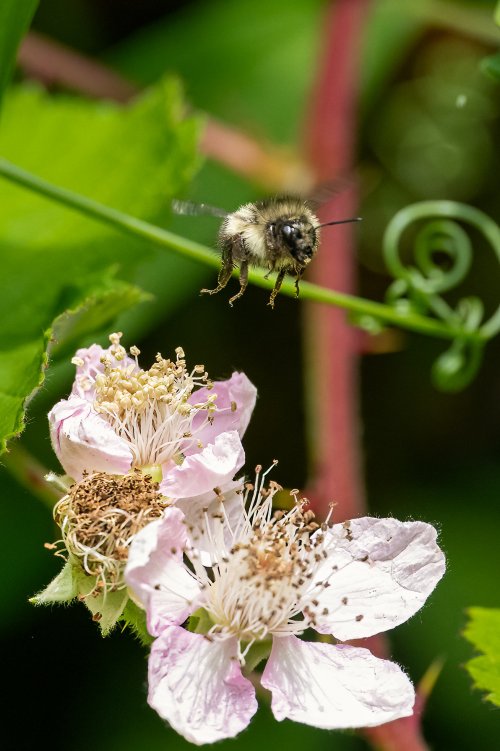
(332, 356)
(332, 346)
(57, 65)
(54, 63)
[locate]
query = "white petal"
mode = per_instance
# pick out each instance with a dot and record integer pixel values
(84, 441)
(334, 686)
(197, 686)
(209, 534)
(213, 467)
(156, 574)
(380, 572)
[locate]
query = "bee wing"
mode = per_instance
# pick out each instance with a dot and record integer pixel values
(328, 190)
(189, 208)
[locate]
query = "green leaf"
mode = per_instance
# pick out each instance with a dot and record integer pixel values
(101, 304)
(249, 62)
(483, 631)
(15, 17)
(491, 66)
(497, 14)
(135, 158)
(61, 589)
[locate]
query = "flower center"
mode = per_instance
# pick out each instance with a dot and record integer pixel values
(257, 587)
(100, 516)
(151, 409)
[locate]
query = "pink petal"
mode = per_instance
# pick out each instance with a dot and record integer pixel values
(207, 534)
(84, 441)
(383, 572)
(83, 385)
(197, 686)
(156, 574)
(235, 403)
(213, 467)
(334, 686)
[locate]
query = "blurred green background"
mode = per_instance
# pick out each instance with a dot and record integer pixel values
(429, 128)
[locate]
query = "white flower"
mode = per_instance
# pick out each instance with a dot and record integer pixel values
(136, 441)
(274, 576)
(167, 421)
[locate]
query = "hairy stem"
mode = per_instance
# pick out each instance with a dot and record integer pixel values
(332, 375)
(30, 474)
(139, 228)
(331, 344)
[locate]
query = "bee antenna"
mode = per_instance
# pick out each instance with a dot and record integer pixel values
(342, 221)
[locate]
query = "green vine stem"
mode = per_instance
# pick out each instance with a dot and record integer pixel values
(419, 284)
(361, 308)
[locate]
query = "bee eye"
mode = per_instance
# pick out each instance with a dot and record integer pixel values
(288, 230)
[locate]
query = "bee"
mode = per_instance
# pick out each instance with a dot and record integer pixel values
(277, 234)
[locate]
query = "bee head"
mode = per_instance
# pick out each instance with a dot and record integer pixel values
(299, 237)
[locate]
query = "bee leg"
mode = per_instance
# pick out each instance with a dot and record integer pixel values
(297, 282)
(243, 282)
(269, 272)
(224, 274)
(277, 285)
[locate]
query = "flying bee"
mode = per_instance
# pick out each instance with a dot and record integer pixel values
(277, 234)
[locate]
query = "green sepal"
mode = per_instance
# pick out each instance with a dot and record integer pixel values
(134, 618)
(199, 622)
(259, 651)
(62, 589)
(106, 607)
(71, 582)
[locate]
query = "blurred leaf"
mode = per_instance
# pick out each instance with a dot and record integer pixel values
(491, 66)
(15, 16)
(102, 301)
(483, 631)
(250, 62)
(390, 32)
(497, 14)
(273, 56)
(135, 158)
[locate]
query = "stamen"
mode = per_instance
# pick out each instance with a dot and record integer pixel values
(151, 409)
(99, 518)
(261, 585)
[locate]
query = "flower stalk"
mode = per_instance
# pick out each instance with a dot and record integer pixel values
(406, 319)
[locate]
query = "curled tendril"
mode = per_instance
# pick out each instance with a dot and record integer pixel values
(442, 258)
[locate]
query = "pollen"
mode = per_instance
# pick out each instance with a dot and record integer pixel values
(261, 584)
(99, 518)
(152, 409)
